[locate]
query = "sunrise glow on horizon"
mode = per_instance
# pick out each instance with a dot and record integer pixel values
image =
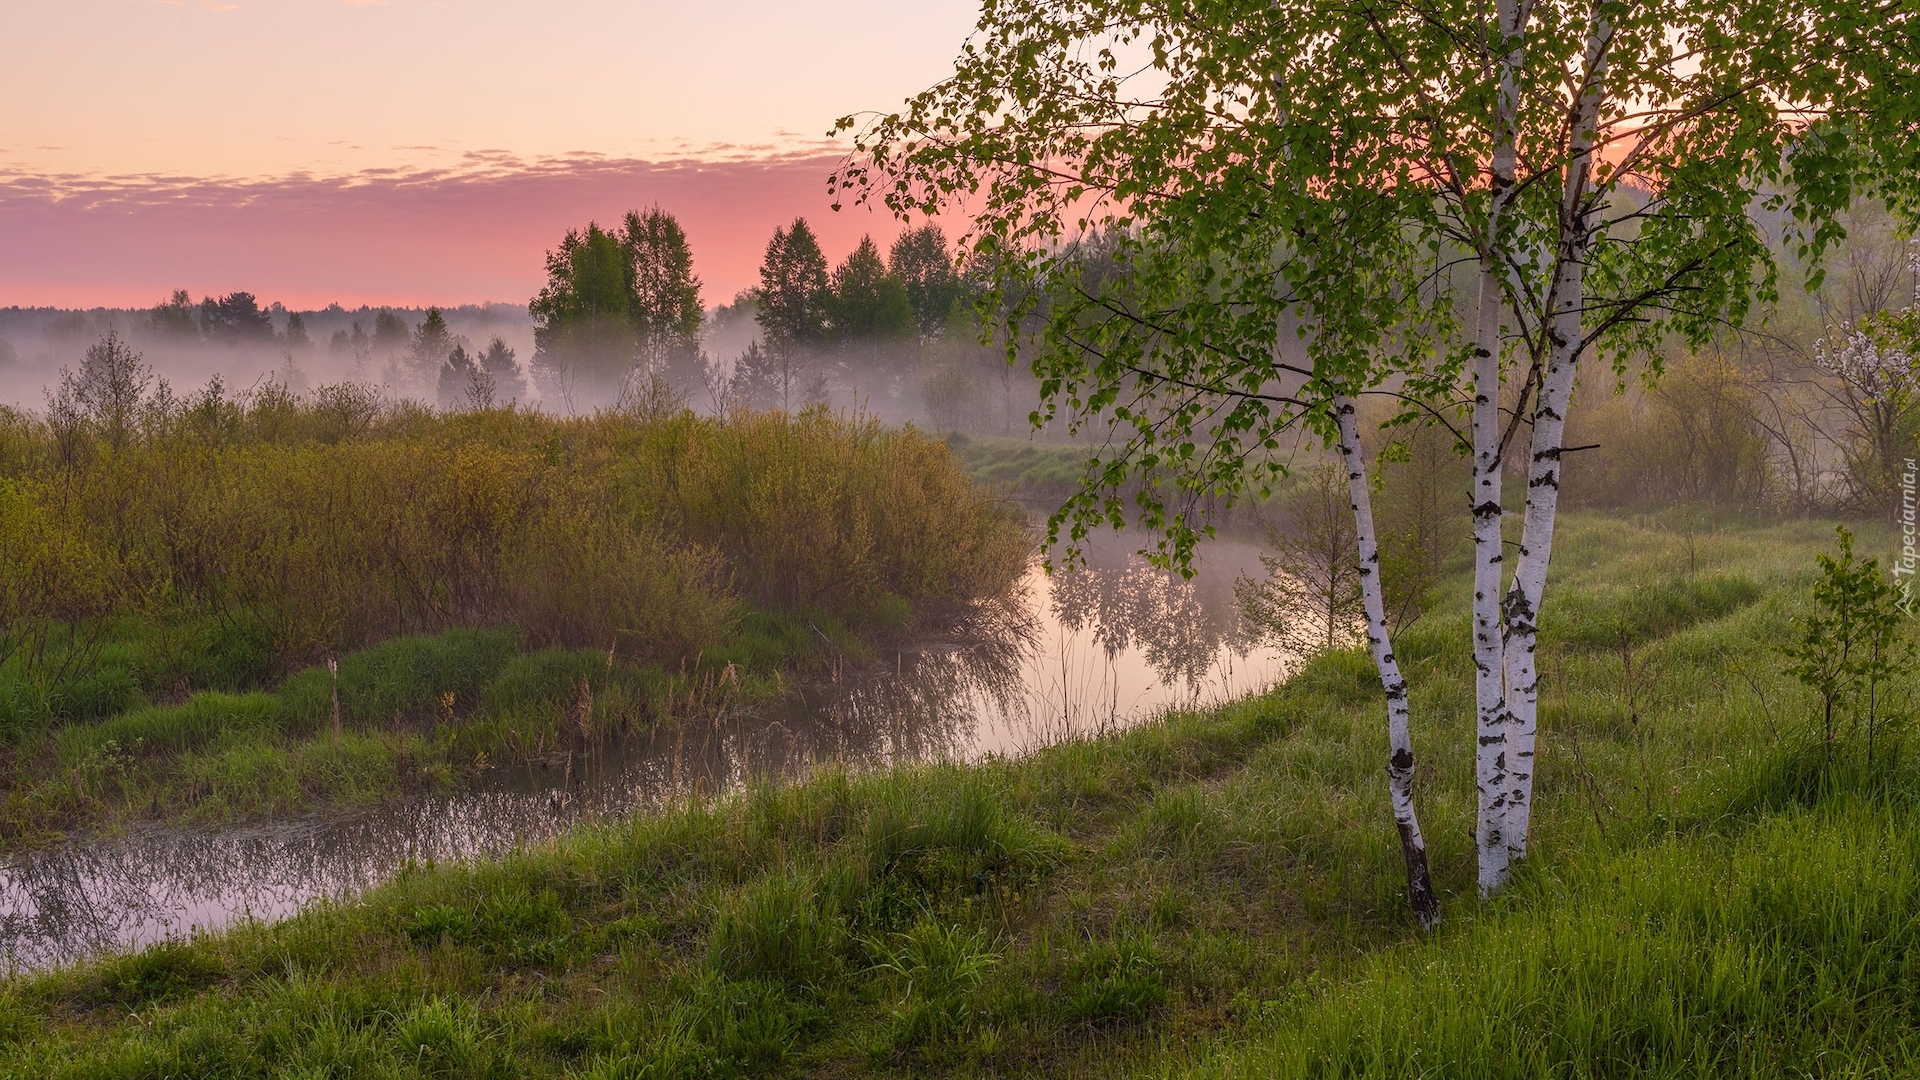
(414, 152)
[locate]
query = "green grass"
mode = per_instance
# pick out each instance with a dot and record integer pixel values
(1218, 893)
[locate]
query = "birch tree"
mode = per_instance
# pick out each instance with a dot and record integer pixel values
(1303, 201)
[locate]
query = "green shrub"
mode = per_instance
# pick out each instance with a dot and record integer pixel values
(156, 973)
(405, 676)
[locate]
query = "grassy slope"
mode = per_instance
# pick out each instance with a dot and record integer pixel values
(1217, 892)
(1040, 473)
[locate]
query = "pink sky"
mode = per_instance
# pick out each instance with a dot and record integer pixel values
(413, 237)
(425, 151)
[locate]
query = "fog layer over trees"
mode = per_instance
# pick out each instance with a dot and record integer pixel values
(622, 322)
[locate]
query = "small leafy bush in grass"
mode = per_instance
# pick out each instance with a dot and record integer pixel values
(1854, 650)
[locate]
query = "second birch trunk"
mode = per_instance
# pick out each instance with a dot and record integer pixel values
(1566, 299)
(1489, 639)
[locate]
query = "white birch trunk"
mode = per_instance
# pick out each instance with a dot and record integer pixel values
(1566, 298)
(1413, 847)
(1490, 759)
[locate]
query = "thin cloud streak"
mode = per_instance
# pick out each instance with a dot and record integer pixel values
(475, 232)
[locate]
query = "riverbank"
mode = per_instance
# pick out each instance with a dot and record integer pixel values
(412, 715)
(1219, 890)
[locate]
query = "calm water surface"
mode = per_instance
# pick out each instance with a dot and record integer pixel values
(1074, 654)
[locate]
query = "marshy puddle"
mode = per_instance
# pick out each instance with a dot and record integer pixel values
(1096, 650)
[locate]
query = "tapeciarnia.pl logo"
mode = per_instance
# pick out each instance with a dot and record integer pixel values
(1908, 563)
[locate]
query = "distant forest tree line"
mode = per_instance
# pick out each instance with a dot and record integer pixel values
(621, 323)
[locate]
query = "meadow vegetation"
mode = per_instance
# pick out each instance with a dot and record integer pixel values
(1709, 892)
(178, 572)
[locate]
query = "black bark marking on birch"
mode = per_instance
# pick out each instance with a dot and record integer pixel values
(1420, 897)
(1486, 510)
(1519, 610)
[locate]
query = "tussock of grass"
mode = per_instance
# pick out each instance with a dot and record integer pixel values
(1217, 893)
(418, 711)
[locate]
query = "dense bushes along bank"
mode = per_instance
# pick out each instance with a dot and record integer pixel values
(1212, 893)
(216, 544)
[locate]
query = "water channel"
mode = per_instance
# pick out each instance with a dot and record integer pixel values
(1075, 654)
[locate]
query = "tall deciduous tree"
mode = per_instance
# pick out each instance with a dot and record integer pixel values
(1303, 201)
(583, 335)
(794, 299)
(924, 264)
(173, 317)
(665, 297)
(868, 309)
(618, 304)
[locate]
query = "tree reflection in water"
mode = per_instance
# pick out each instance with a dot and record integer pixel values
(1102, 647)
